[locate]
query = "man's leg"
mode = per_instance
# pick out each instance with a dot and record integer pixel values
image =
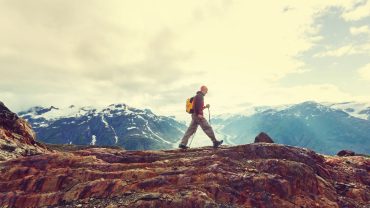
(191, 130)
(207, 128)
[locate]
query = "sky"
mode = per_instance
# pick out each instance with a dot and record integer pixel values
(156, 54)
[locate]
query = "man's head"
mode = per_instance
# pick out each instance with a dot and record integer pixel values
(204, 89)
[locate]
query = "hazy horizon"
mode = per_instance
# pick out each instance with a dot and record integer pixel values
(156, 54)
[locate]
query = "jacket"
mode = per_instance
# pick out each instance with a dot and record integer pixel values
(199, 103)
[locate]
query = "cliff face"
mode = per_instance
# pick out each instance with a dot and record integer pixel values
(253, 175)
(16, 136)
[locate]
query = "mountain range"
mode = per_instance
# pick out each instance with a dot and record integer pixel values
(324, 127)
(115, 125)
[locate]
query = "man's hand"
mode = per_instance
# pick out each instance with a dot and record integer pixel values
(200, 116)
(207, 106)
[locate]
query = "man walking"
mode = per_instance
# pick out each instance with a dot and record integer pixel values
(198, 119)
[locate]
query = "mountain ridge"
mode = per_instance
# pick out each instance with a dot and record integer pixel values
(323, 127)
(116, 124)
(320, 127)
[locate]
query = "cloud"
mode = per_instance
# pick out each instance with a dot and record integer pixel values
(291, 95)
(346, 50)
(358, 13)
(153, 54)
(316, 92)
(338, 52)
(364, 72)
(360, 30)
(56, 53)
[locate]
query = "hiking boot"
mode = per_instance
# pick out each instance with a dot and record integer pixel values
(217, 143)
(183, 146)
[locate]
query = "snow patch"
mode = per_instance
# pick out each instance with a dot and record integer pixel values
(42, 125)
(156, 135)
(56, 113)
(104, 121)
(354, 109)
(93, 140)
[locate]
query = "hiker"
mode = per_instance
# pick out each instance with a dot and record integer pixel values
(197, 118)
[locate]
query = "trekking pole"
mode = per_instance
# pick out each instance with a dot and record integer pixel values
(209, 116)
(192, 139)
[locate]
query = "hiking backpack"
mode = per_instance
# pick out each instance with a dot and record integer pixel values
(190, 105)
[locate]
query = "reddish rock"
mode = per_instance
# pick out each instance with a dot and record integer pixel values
(253, 175)
(345, 153)
(263, 137)
(16, 136)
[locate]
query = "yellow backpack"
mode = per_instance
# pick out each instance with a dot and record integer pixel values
(190, 105)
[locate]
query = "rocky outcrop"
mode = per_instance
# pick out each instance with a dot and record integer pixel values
(16, 136)
(345, 153)
(263, 137)
(253, 175)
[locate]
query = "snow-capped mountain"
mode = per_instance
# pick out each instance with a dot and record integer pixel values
(117, 124)
(359, 110)
(323, 127)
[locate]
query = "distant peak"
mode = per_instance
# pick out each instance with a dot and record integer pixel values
(52, 107)
(148, 110)
(310, 102)
(118, 105)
